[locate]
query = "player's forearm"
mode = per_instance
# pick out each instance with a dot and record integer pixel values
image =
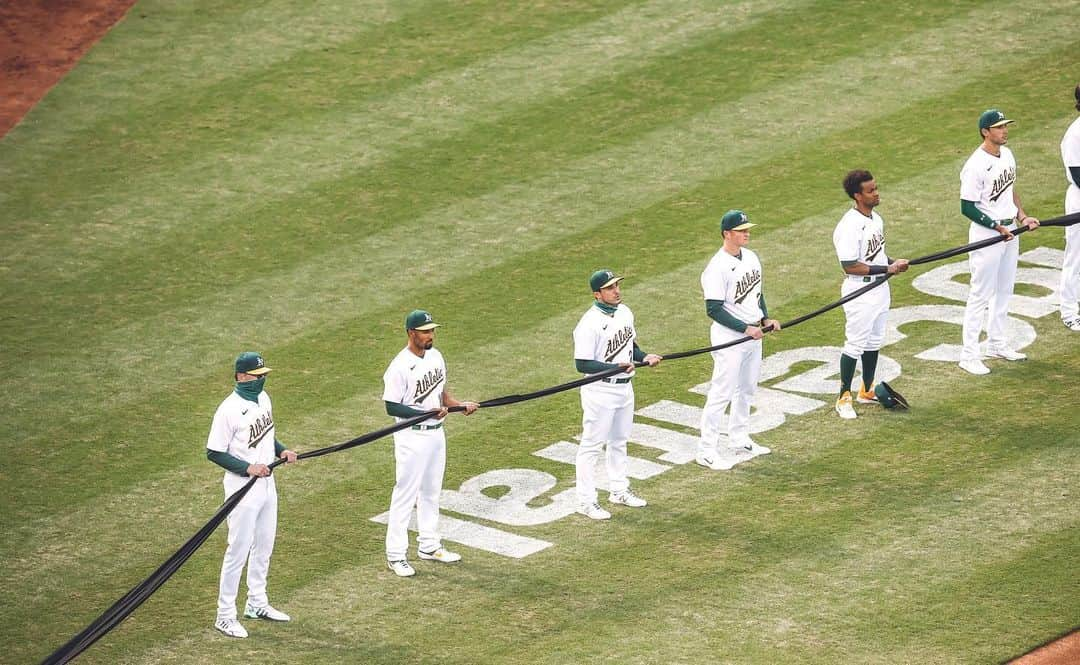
(763, 306)
(1074, 174)
(227, 462)
(716, 311)
(592, 366)
(449, 400)
(639, 355)
(972, 212)
(399, 410)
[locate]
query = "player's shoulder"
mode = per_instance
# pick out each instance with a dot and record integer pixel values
(589, 317)
(231, 404)
(851, 217)
(400, 359)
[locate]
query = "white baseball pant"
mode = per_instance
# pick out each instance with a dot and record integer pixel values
(736, 370)
(993, 274)
(252, 529)
(607, 416)
(865, 317)
(1070, 271)
(420, 457)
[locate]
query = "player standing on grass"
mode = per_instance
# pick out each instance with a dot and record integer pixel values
(859, 240)
(734, 300)
(243, 441)
(604, 339)
(1070, 271)
(989, 199)
(414, 383)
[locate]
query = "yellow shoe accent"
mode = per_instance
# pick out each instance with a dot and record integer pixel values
(866, 396)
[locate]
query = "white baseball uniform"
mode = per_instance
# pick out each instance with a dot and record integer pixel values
(1070, 273)
(861, 238)
(988, 181)
(419, 452)
(607, 405)
(245, 430)
(737, 281)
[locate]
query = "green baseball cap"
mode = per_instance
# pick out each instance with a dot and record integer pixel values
(735, 220)
(250, 362)
(418, 319)
(602, 279)
(993, 118)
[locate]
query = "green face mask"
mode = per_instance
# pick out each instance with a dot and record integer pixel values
(250, 390)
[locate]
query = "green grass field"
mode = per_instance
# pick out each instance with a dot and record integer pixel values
(290, 178)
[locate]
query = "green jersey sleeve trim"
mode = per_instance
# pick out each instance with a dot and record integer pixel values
(716, 311)
(399, 410)
(227, 462)
(974, 214)
(592, 366)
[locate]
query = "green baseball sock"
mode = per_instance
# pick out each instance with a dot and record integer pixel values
(869, 366)
(847, 372)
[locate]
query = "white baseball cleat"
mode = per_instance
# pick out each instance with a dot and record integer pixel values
(1073, 324)
(267, 612)
(1006, 353)
(230, 628)
(975, 367)
(844, 408)
(627, 498)
(749, 445)
(593, 511)
(401, 568)
(442, 555)
(716, 462)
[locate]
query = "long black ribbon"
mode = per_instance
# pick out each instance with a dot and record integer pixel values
(124, 607)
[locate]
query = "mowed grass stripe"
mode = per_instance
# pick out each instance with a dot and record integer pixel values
(466, 163)
(194, 46)
(287, 153)
(657, 166)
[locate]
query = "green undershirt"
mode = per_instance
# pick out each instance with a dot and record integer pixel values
(716, 311)
(399, 410)
(235, 464)
(970, 211)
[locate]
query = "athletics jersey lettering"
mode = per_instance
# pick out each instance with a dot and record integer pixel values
(258, 429)
(874, 246)
(618, 342)
(746, 285)
(1002, 183)
(427, 383)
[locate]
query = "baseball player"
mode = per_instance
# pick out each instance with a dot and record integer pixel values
(242, 441)
(415, 383)
(1070, 273)
(605, 338)
(989, 199)
(732, 284)
(859, 240)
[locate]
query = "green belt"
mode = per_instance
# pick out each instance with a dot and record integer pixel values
(425, 427)
(873, 278)
(626, 380)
